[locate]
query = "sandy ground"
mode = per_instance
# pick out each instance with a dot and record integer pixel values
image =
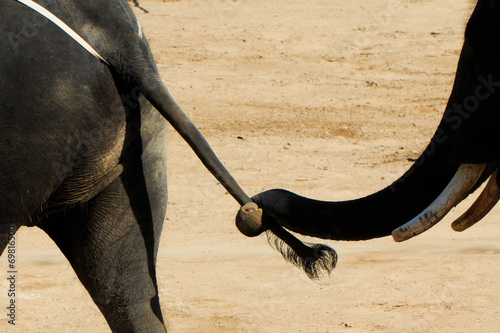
(331, 99)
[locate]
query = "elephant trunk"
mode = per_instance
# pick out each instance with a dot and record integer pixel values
(423, 195)
(453, 164)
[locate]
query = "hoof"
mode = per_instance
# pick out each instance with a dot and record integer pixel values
(249, 220)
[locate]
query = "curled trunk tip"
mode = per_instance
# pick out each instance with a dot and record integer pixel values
(249, 220)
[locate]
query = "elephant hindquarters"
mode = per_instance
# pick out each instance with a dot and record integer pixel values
(112, 240)
(111, 244)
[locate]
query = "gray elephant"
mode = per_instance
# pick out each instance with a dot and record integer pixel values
(461, 156)
(83, 151)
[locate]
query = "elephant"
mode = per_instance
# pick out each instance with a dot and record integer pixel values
(461, 156)
(83, 149)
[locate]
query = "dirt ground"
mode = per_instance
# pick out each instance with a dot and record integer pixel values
(329, 99)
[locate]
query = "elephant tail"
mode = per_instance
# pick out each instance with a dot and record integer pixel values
(136, 65)
(316, 260)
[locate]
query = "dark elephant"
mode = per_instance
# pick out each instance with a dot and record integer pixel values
(83, 151)
(462, 154)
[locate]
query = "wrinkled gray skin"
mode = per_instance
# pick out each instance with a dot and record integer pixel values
(83, 152)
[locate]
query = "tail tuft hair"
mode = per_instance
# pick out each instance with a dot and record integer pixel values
(317, 267)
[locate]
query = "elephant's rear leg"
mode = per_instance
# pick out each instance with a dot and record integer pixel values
(112, 248)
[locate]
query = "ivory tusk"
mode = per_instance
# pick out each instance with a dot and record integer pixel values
(457, 189)
(483, 204)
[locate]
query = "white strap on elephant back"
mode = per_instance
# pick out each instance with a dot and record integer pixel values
(64, 27)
